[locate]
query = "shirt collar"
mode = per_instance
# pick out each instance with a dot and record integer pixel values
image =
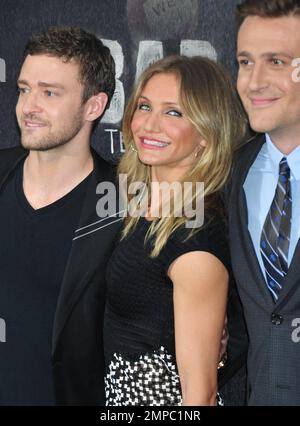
(293, 158)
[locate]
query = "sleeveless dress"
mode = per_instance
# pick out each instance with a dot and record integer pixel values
(139, 339)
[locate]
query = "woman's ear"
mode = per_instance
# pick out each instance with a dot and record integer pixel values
(203, 143)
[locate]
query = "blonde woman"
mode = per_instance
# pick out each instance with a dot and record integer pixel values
(168, 276)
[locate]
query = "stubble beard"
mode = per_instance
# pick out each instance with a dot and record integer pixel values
(54, 139)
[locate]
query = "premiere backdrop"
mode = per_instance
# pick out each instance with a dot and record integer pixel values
(138, 33)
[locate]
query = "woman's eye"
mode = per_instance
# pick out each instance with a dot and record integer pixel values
(174, 113)
(143, 107)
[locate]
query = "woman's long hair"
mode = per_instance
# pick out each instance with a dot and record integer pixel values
(209, 101)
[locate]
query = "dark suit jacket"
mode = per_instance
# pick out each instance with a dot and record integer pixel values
(77, 348)
(232, 377)
(273, 373)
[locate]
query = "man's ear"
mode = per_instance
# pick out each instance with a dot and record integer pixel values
(96, 106)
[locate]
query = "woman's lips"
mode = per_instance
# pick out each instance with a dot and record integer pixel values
(150, 143)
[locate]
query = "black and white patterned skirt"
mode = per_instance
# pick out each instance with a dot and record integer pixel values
(152, 380)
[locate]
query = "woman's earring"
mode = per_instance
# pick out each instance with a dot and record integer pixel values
(131, 146)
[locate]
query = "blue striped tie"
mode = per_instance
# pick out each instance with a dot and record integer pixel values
(275, 236)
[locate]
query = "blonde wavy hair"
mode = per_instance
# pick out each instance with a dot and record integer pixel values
(209, 101)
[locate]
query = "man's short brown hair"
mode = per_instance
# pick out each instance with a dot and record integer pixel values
(96, 64)
(267, 9)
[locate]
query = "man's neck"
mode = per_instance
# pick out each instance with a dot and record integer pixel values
(285, 141)
(50, 175)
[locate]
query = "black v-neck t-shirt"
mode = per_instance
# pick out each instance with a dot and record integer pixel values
(34, 248)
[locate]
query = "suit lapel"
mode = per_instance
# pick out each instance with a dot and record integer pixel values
(91, 247)
(243, 165)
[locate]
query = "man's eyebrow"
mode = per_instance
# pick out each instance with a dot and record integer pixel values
(273, 54)
(270, 54)
(44, 84)
(243, 53)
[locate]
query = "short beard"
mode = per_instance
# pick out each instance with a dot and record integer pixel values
(45, 144)
(56, 140)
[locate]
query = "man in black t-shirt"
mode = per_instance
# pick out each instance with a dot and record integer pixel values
(54, 247)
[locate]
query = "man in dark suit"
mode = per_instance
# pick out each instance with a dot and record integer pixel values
(264, 198)
(54, 246)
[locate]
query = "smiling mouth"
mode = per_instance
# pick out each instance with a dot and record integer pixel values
(152, 143)
(262, 102)
(33, 124)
